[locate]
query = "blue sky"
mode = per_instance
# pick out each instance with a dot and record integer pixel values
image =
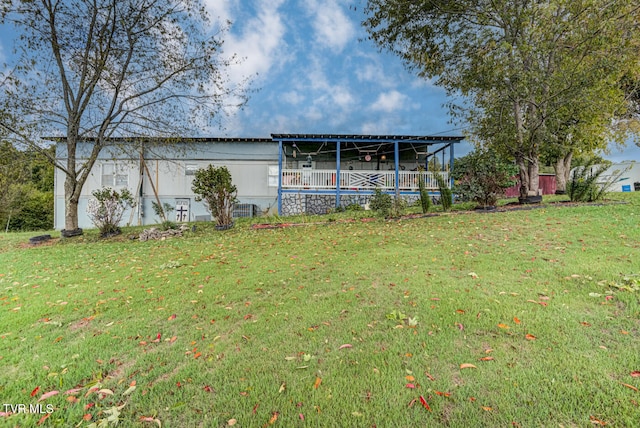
(314, 71)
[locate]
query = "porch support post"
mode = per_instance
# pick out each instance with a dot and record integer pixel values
(279, 177)
(396, 158)
(337, 174)
(451, 145)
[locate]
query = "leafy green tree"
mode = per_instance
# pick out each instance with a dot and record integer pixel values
(26, 189)
(93, 70)
(515, 65)
(482, 176)
(214, 186)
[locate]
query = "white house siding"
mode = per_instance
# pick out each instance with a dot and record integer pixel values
(248, 163)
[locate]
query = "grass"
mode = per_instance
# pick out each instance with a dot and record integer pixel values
(249, 326)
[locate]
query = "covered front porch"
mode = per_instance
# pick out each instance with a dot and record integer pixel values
(318, 173)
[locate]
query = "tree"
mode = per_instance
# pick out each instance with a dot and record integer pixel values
(515, 64)
(94, 70)
(26, 189)
(215, 187)
(482, 176)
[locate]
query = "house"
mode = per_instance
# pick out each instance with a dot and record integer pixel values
(285, 174)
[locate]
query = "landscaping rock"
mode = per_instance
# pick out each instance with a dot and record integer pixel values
(155, 233)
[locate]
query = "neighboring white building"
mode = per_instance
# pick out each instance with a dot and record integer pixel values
(285, 174)
(625, 176)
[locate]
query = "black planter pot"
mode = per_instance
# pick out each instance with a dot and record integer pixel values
(561, 192)
(39, 239)
(531, 200)
(71, 233)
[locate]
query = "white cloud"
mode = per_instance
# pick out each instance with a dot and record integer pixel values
(293, 97)
(390, 101)
(259, 40)
(221, 11)
(333, 29)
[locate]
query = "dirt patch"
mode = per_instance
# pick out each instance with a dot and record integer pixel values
(84, 322)
(47, 243)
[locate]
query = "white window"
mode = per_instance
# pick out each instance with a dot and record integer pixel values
(114, 175)
(273, 176)
(190, 169)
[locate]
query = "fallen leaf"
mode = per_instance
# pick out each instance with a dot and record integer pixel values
(197, 355)
(35, 391)
(317, 383)
(530, 337)
(424, 403)
(172, 317)
(47, 395)
(488, 409)
(516, 320)
(105, 392)
(635, 373)
(255, 408)
(44, 418)
(301, 416)
(442, 394)
(231, 422)
(72, 399)
(467, 366)
(409, 378)
(346, 345)
(150, 419)
(72, 391)
(282, 387)
(410, 385)
(503, 326)
(129, 390)
(486, 359)
(87, 417)
(630, 386)
(596, 421)
(429, 376)
(274, 418)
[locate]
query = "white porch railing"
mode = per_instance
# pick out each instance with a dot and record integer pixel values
(357, 180)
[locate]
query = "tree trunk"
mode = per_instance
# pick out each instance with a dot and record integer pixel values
(71, 199)
(562, 168)
(524, 177)
(534, 176)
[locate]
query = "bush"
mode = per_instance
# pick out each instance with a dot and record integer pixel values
(587, 184)
(387, 206)
(381, 203)
(425, 198)
(446, 197)
(107, 208)
(27, 208)
(482, 177)
(214, 186)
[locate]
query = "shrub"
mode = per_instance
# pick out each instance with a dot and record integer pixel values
(587, 183)
(214, 186)
(107, 208)
(387, 206)
(381, 203)
(446, 197)
(482, 177)
(425, 198)
(162, 211)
